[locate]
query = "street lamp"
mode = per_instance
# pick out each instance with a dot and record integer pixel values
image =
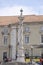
(10, 51)
(31, 53)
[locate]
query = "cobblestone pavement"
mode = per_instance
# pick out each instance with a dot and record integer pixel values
(15, 63)
(18, 63)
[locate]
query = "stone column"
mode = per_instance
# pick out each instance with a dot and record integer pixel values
(20, 47)
(13, 42)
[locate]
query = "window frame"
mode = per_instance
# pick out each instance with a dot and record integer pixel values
(26, 39)
(5, 30)
(5, 40)
(27, 29)
(41, 38)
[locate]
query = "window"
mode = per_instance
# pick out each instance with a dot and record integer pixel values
(41, 29)
(27, 29)
(26, 39)
(41, 38)
(4, 54)
(5, 39)
(5, 30)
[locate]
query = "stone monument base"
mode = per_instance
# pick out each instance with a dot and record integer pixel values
(20, 59)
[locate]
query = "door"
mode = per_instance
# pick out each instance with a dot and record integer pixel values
(4, 55)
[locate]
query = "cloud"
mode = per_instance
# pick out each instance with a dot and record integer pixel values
(15, 10)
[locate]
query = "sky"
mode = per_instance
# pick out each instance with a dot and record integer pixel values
(12, 7)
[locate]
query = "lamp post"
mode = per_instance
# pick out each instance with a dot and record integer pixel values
(10, 51)
(21, 48)
(31, 53)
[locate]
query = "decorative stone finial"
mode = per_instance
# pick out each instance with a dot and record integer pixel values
(21, 11)
(21, 15)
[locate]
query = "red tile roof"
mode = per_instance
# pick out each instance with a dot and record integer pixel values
(6, 20)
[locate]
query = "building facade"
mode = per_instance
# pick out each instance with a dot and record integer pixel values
(12, 37)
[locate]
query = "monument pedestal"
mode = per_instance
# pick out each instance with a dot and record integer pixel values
(20, 59)
(21, 56)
